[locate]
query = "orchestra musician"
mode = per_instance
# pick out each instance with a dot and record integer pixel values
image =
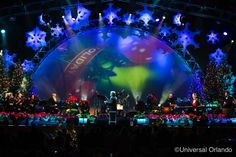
(196, 104)
(113, 101)
(52, 103)
(19, 102)
(9, 98)
(227, 105)
(169, 104)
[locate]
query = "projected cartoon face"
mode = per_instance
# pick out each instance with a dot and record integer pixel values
(111, 59)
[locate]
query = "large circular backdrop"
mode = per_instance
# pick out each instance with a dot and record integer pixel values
(107, 59)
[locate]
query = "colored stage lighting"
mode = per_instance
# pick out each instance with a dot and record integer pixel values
(225, 33)
(157, 20)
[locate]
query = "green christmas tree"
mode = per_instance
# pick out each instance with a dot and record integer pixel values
(4, 80)
(219, 77)
(17, 78)
(212, 86)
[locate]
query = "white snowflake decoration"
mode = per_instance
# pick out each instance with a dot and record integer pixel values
(186, 38)
(177, 19)
(27, 66)
(8, 59)
(128, 19)
(145, 16)
(212, 37)
(81, 20)
(36, 39)
(218, 56)
(111, 14)
(57, 31)
(165, 30)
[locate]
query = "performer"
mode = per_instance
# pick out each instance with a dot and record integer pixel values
(113, 101)
(32, 101)
(140, 105)
(227, 101)
(10, 107)
(19, 102)
(227, 106)
(151, 101)
(169, 104)
(52, 103)
(195, 104)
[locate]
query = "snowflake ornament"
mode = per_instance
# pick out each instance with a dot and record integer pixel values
(185, 38)
(128, 19)
(212, 37)
(57, 31)
(81, 20)
(27, 66)
(111, 14)
(36, 39)
(8, 59)
(165, 30)
(218, 56)
(177, 19)
(145, 16)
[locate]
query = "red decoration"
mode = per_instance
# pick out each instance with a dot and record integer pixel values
(72, 99)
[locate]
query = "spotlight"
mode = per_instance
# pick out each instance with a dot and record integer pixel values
(130, 14)
(63, 16)
(3, 31)
(163, 17)
(100, 14)
(157, 20)
(232, 41)
(225, 33)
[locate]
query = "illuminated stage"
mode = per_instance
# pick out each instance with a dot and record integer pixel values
(112, 58)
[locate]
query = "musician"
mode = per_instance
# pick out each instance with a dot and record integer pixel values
(151, 101)
(227, 105)
(9, 98)
(32, 101)
(170, 103)
(195, 103)
(112, 101)
(140, 105)
(170, 100)
(52, 103)
(227, 101)
(19, 102)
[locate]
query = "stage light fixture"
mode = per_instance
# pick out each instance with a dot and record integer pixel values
(157, 20)
(225, 33)
(163, 17)
(232, 41)
(3, 31)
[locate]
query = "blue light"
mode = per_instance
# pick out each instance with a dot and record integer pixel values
(128, 19)
(157, 20)
(3, 31)
(225, 33)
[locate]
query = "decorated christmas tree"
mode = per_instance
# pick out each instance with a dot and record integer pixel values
(17, 78)
(212, 83)
(4, 80)
(218, 78)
